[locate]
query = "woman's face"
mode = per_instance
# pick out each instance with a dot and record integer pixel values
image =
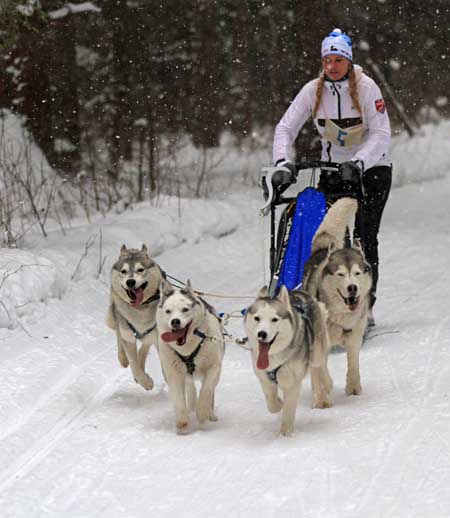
(335, 67)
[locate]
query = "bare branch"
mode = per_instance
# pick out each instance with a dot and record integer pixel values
(87, 246)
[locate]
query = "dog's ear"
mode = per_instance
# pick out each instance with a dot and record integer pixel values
(358, 246)
(165, 288)
(144, 248)
(123, 251)
(188, 286)
(283, 296)
(263, 292)
(331, 248)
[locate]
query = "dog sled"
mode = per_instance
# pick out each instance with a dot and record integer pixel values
(301, 215)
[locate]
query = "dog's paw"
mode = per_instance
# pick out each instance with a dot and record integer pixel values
(204, 414)
(323, 402)
(353, 389)
(145, 381)
(182, 426)
(287, 430)
(274, 406)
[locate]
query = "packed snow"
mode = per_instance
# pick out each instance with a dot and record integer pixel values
(80, 439)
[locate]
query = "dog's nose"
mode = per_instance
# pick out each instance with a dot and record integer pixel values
(131, 283)
(262, 335)
(175, 323)
(352, 290)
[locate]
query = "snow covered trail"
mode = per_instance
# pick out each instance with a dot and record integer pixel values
(80, 439)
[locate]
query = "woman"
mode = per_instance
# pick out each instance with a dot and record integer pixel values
(350, 115)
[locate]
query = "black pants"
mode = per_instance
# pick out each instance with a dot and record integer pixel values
(376, 186)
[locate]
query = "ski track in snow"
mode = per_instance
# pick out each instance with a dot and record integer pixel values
(48, 442)
(81, 439)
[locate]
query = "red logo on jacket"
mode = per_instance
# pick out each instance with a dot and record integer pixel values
(380, 106)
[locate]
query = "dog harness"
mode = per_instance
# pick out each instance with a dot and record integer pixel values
(272, 375)
(189, 360)
(157, 294)
(305, 313)
(137, 334)
(304, 310)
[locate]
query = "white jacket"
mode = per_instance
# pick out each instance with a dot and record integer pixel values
(353, 136)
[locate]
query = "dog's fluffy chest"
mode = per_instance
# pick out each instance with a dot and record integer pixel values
(209, 353)
(142, 317)
(277, 360)
(344, 326)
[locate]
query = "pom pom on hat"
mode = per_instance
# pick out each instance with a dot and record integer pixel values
(339, 43)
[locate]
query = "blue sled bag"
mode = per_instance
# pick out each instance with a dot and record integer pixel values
(309, 212)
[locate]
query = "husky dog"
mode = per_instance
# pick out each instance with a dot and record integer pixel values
(341, 278)
(191, 345)
(287, 334)
(135, 280)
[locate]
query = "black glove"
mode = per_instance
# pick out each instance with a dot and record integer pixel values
(352, 171)
(282, 179)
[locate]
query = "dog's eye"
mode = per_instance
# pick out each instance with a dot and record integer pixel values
(357, 273)
(140, 270)
(123, 272)
(185, 310)
(257, 319)
(168, 311)
(340, 274)
(275, 319)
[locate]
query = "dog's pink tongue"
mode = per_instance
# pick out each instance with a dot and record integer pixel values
(172, 336)
(263, 357)
(139, 292)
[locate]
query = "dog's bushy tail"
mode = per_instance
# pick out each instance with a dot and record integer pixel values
(331, 231)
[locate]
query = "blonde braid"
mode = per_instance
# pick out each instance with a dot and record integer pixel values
(319, 91)
(353, 89)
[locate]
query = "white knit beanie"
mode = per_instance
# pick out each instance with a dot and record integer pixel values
(338, 43)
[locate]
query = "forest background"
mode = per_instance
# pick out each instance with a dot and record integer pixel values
(115, 91)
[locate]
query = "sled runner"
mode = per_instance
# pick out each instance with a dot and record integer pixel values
(290, 244)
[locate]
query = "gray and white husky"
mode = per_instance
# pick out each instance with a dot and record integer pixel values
(135, 280)
(341, 278)
(287, 334)
(191, 346)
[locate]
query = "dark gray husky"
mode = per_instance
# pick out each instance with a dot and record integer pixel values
(135, 280)
(341, 278)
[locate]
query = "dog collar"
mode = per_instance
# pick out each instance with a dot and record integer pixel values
(154, 297)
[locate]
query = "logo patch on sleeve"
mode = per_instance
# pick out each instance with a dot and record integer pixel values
(380, 106)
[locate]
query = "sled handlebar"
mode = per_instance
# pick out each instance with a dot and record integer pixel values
(273, 192)
(318, 164)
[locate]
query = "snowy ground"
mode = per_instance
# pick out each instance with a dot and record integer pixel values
(80, 439)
